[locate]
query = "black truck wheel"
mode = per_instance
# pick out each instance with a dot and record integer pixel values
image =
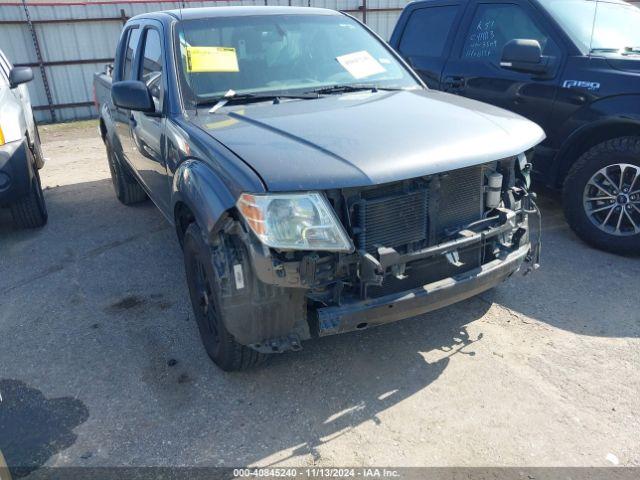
(205, 287)
(31, 211)
(602, 196)
(127, 188)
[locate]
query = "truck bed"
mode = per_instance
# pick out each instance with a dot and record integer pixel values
(101, 89)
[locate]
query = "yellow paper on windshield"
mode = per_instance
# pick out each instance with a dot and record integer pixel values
(212, 59)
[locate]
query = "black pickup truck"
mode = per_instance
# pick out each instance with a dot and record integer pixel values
(573, 67)
(315, 184)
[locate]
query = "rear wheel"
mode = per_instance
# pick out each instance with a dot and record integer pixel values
(127, 188)
(602, 196)
(205, 288)
(31, 211)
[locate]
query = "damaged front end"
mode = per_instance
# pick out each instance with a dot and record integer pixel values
(414, 246)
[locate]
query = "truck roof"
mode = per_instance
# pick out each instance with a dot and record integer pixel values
(236, 11)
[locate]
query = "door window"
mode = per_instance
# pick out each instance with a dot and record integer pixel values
(132, 46)
(427, 30)
(151, 70)
(494, 25)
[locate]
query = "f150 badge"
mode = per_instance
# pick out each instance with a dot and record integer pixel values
(592, 86)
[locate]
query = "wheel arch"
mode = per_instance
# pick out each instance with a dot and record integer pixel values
(106, 128)
(199, 195)
(103, 129)
(588, 137)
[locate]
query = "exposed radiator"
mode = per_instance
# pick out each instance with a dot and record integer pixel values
(393, 221)
(460, 199)
(405, 213)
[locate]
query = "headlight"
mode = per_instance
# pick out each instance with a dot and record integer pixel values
(1, 137)
(294, 221)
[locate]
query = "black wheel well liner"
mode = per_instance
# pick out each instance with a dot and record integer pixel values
(183, 217)
(588, 137)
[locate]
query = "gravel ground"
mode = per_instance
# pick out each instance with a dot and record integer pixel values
(101, 363)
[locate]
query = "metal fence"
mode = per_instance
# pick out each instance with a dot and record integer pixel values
(66, 43)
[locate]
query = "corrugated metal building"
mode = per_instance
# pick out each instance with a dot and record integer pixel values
(77, 39)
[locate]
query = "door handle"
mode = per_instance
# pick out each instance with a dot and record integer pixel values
(453, 84)
(132, 121)
(578, 99)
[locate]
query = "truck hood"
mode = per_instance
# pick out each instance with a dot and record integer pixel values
(366, 138)
(625, 63)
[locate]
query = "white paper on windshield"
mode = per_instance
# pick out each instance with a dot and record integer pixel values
(360, 64)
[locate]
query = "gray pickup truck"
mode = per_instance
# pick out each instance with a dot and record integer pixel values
(315, 184)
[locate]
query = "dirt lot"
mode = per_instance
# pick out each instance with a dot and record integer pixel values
(543, 371)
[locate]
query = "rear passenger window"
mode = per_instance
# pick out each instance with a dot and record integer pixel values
(494, 25)
(132, 46)
(427, 31)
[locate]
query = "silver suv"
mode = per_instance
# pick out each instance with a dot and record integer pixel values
(20, 152)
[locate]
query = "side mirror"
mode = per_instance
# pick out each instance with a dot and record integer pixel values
(132, 95)
(20, 75)
(524, 56)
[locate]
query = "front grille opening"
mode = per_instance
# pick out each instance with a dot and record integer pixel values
(392, 221)
(417, 213)
(460, 200)
(414, 214)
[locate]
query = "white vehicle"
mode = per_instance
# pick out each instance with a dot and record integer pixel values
(20, 152)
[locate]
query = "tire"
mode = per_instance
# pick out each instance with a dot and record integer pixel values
(127, 188)
(601, 196)
(31, 210)
(205, 291)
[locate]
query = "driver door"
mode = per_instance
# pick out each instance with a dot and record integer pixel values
(148, 129)
(474, 71)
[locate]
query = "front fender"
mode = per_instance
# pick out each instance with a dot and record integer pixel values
(197, 186)
(602, 119)
(622, 108)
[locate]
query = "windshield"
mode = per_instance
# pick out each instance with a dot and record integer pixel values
(615, 26)
(280, 54)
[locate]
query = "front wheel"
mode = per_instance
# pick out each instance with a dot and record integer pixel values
(602, 196)
(205, 289)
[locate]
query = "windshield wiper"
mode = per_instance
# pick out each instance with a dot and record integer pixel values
(631, 50)
(621, 51)
(351, 88)
(600, 49)
(232, 96)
